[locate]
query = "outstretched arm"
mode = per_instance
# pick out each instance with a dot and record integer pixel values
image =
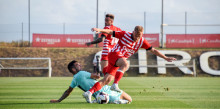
(158, 53)
(107, 31)
(65, 94)
(97, 40)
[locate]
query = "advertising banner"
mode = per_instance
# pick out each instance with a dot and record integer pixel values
(193, 40)
(61, 40)
(153, 39)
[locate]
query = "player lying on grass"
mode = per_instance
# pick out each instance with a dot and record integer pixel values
(85, 80)
(128, 44)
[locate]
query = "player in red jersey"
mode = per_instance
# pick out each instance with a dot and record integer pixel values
(127, 45)
(109, 41)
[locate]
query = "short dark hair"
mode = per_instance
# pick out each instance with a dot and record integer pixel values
(111, 16)
(71, 65)
(138, 29)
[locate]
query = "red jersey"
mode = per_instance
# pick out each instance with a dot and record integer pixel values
(109, 41)
(126, 46)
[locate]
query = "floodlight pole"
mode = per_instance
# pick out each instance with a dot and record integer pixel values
(63, 28)
(144, 22)
(97, 13)
(97, 19)
(161, 28)
(29, 30)
(22, 34)
(185, 22)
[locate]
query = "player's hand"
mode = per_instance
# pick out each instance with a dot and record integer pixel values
(54, 101)
(95, 29)
(88, 43)
(98, 74)
(95, 76)
(170, 59)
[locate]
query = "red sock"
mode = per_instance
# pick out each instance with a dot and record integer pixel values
(104, 70)
(97, 86)
(119, 74)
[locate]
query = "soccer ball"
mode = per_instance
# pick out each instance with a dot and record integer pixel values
(102, 98)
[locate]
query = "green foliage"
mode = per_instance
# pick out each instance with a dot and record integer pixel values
(146, 92)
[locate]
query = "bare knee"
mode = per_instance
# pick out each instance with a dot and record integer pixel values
(125, 66)
(107, 79)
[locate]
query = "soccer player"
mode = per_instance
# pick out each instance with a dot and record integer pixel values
(85, 80)
(127, 45)
(109, 42)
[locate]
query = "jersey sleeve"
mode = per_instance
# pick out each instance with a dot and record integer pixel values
(104, 34)
(146, 45)
(118, 34)
(73, 83)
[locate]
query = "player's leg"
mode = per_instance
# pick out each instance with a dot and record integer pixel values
(125, 96)
(104, 64)
(98, 85)
(123, 66)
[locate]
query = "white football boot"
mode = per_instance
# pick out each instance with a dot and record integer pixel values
(121, 102)
(115, 87)
(88, 96)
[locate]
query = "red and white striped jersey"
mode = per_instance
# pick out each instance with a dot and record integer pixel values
(109, 41)
(126, 46)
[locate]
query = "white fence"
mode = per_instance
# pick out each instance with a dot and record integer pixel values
(26, 63)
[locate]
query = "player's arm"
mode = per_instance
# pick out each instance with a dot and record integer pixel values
(107, 31)
(65, 94)
(102, 38)
(158, 53)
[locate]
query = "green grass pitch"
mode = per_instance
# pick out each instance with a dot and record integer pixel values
(147, 92)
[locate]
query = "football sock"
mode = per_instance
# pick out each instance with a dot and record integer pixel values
(119, 74)
(95, 88)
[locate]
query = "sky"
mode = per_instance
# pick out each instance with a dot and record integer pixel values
(79, 16)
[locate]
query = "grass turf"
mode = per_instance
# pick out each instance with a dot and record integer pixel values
(147, 92)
